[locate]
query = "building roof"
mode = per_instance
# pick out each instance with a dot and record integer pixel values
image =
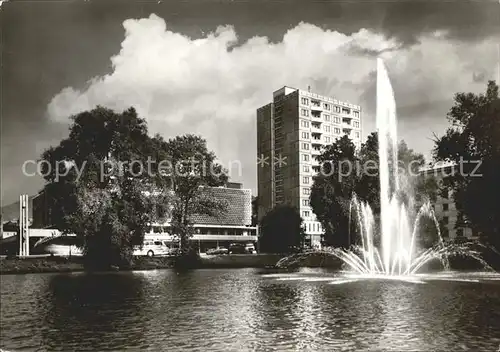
(239, 207)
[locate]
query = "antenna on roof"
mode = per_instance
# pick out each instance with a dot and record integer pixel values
(309, 89)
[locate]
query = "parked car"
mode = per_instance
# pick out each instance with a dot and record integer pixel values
(237, 248)
(152, 248)
(250, 248)
(218, 250)
(242, 248)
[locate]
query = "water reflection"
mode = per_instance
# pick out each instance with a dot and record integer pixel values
(85, 310)
(240, 310)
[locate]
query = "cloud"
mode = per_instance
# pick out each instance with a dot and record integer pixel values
(213, 85)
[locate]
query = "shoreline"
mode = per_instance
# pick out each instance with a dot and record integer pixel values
(53, 264)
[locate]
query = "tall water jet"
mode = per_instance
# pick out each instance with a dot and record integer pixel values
(388, 167)
(397, 254)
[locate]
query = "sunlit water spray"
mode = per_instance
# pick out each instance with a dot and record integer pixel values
(396, 255)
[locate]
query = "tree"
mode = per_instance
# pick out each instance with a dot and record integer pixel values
(97, 186)
(333, 189)
(472, 142)
(193, 170)
(281, 230)
(255, 208)
(368, 183)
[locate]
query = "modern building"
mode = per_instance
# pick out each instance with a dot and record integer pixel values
(444, 208)
(234, 225)
(291, 131)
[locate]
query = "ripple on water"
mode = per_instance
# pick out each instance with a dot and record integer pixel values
(241, 310)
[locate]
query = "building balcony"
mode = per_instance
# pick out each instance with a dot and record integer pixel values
(346, 112)
(316, 114)
(316, 128)
(316, 143)
(315, 151)
(316, 105)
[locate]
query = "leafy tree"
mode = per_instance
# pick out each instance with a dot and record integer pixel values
(255, 207)
(333, 189)
(281, 230)
(193, 170)
(97, 187)
(428, 232)
(473, 143)
(368, 183)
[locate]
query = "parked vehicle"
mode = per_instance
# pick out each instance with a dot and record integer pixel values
(250, 248)
(237, 248)
(242, 248)
(218, 250)
(152, 248)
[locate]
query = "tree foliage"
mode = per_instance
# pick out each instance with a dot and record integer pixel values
(193, 171)
(472, 142)
(255, 209)
(333, 189)
(96, 188)
(281, 230)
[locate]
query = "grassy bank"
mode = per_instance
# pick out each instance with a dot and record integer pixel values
(40, 265)
(75, 264)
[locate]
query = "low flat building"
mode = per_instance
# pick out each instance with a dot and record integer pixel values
(234, 225)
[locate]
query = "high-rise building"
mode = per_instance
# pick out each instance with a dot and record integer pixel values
(291, 132)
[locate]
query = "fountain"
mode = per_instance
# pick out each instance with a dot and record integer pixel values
(396, 256)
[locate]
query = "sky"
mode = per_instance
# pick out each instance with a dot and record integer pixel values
(205, 66)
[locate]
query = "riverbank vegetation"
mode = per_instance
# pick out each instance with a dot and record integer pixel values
(101, 191)
(282, 231)
(76, 264)
(472, 142)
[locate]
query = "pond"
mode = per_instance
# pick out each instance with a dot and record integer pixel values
(245, 310)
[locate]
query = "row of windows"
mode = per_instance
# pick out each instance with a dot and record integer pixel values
(326, 128)
(307, 168)
(305, 146)
(314, 227)
(328, 118)
(305, 135)
(326, 106)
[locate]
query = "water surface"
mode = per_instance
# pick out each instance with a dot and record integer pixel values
(244, 310)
